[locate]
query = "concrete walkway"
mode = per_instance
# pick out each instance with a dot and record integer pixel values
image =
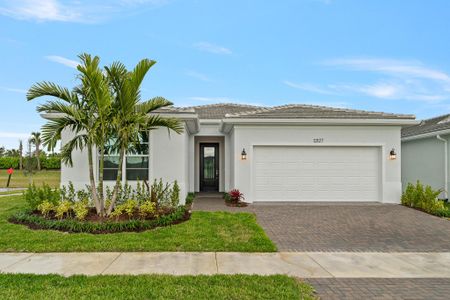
(299, 264)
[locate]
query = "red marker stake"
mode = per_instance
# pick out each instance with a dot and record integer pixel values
(10, 171)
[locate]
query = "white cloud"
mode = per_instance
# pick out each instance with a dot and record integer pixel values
(392, 67)
(198, 75)
(81, 11)
(212, 48)
(14, 90)
(62, 60)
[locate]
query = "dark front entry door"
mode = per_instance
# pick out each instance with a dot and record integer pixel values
(209, 167)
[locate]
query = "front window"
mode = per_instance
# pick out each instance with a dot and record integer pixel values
(136, 164)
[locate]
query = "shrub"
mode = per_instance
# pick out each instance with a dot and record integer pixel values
(46, 207)
(424, 198)
(189, 198)
(51, 162)
(175, 195)
(129, 207)
(80, 209)
(236, 196)
(36, 195)
(7, 162)
(147, 209)
(63, 208)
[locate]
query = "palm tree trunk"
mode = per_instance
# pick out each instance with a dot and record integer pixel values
(37, 157)
(118, 180)
(92, 180)
(100, 180)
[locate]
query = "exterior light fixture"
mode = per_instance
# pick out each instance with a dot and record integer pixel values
(392, 154)
(243, 154)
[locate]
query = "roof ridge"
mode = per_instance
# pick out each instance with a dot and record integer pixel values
(223, 103)
(321, 107)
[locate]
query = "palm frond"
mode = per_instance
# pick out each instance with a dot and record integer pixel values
(77, 143)
(153, 104)
(156, 121)
(46, 88)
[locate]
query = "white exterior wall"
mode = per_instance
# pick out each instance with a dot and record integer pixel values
(423, 160)
(169, 158)
(384, 137)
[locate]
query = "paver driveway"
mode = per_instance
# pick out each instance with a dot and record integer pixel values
(368, 227)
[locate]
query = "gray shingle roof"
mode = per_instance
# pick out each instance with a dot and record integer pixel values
(302, 111)
(428, 126)
(219, 110)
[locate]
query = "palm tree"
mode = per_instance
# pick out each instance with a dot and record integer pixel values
(76, 111)
(35, 140)
(130, 115)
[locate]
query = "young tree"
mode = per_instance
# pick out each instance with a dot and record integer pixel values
(36, 141)
(131, 116)
(20, 155)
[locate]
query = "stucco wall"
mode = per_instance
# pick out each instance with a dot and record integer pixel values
(386, 137)
(423, 160)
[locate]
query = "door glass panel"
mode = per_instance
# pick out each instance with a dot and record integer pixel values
(209, 156)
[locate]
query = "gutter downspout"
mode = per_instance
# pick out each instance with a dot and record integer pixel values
(445, 162)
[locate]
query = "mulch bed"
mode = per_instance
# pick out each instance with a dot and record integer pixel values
(236, 204)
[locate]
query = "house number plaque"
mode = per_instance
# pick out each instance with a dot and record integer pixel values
(318, 140)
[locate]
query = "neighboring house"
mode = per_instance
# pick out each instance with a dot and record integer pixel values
(425, 149)
(283, 153)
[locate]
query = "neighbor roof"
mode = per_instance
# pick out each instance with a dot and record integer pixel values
(302, 111)
(428, 126)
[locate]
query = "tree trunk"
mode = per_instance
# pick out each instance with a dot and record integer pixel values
(118, 181)
(20, 156)
(100, 180)
(37, 157)
(92, 181)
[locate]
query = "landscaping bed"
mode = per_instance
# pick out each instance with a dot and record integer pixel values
(204, 231)
(100, 225)
(24, 286)
(425, 198)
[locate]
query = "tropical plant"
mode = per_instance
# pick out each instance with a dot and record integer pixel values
(131, 116)
(75, 110)
(236, 196)
(36, 141)
(46, 207)
(422, 197)
(63, 208)
(81, 209)
(147, 209)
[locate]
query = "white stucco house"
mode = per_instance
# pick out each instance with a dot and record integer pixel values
(425, 149)
(283, 153)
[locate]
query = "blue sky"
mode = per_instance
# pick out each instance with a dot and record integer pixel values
(377, 55)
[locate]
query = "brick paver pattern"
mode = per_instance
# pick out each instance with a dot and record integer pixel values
(366, 227)
(381, 288)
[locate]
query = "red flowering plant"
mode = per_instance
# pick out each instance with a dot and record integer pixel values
(235, 198)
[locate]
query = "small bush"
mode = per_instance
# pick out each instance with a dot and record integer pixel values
(7, 162)
(63, 208)
(80, 209)
(46, 207)
(147, 209)
(175, 194)
(34, 196)
(189, 198)
(424, 198)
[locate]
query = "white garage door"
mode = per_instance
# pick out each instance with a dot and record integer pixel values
(291, 173)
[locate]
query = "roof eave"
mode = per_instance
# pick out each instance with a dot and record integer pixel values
(425, 135)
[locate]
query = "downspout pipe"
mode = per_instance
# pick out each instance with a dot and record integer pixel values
(445, 163)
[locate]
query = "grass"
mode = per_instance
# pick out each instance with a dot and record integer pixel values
(205, 231)
(18, 178)
(153, 287)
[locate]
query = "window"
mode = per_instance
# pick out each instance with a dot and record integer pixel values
(137, 159)
(136, 165)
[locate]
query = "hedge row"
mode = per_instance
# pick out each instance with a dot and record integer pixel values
(71, 225)
(49, 163)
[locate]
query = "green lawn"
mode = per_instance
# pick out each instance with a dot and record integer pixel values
(205, 231)
(18, 178)
(153, 287)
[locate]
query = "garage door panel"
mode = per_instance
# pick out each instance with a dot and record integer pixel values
(316, 173)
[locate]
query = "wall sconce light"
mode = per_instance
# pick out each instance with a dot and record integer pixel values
(392, 154)
(243, 154)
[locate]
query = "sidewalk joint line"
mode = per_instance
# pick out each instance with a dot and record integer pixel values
(332, 275)
(109, 265)
(217, 263)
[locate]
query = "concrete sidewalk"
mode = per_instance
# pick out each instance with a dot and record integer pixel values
(299, 264)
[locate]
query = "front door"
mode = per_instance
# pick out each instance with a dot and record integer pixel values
(209, 167)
